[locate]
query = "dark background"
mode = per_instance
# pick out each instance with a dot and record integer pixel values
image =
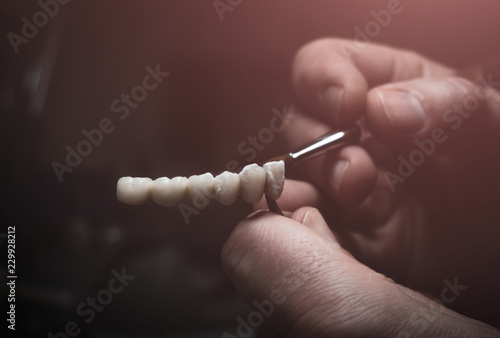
(225, 80)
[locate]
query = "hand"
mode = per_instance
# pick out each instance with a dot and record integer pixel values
(295, 273)
(417, 218)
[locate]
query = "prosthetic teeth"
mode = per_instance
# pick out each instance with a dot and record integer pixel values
(201, 185)
(250, 184)
(227, 187)
(253, 182)
(275, 178)
(169, 192)
(134, 190)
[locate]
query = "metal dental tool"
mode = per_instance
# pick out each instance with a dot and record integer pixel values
(329, 142)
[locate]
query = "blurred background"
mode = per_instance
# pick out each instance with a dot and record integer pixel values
(226, 80)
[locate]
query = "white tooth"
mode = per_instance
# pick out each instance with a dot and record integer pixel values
(169, 192)
(227, 187)
(201, 189)
(159, 189)
(253, 180)
(275, 178)
(134, 190)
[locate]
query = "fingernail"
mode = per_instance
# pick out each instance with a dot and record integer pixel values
(255, 214)
(314, 220)
(333, 98)
(338, 174)
(403, 110)
(312, 216)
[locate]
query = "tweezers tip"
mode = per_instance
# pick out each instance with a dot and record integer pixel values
(273, 206)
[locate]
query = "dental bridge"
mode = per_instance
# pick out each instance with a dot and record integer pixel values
(250, 184)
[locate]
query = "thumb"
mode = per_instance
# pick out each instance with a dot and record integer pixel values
(294, 272)
(399, 113)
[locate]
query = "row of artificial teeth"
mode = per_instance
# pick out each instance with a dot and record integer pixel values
(251, 183)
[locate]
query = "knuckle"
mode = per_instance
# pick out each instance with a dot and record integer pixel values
(461, 86)
(313, 47)
(413, 55)
(308, 66)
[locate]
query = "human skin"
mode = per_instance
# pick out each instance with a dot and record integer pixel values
(354, 273)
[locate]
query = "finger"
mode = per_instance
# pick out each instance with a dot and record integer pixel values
(374, 211)
(403, 114)
(312, 218)
(295, 194)
(347, 175)
(352, 177)
(311, 285)
(331, 77)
